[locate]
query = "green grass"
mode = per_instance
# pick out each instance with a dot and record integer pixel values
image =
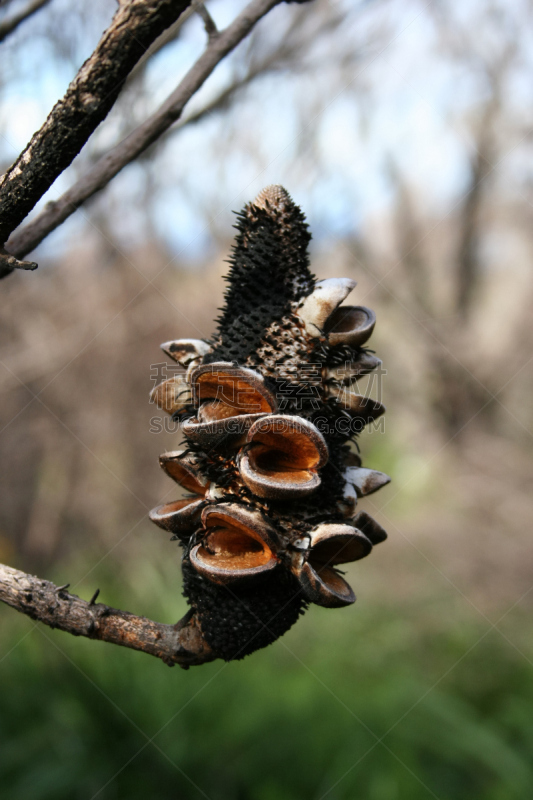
(301, 719)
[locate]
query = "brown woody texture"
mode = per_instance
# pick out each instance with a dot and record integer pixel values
(54, 606)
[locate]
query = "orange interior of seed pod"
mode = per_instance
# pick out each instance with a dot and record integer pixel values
(232, 545)
(181, 475)
(230, 396)
(281, 451)
(279, 464)
(334, 582)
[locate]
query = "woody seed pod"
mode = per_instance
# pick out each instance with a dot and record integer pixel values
(268, 412)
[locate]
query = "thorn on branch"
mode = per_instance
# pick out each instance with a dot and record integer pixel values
(92, 601)
(62, 588)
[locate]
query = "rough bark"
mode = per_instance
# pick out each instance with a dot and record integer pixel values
(88, 99)
(220, 44)
(54, 606)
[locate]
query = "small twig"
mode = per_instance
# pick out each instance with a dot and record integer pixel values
(52, 605)
(8, 25)
(9, 262)
(222, 100)
(209, 23)
(25, 240)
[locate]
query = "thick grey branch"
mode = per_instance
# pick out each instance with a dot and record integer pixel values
(52, 605)
(8, 25)
(88, 99)
(108, 166)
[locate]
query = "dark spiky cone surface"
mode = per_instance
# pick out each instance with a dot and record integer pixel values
(270, 407)
(269, 272)
(238, 620)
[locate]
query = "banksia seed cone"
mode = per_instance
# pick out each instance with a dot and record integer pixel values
(268, 408)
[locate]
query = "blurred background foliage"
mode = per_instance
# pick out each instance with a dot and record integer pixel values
(404, 130)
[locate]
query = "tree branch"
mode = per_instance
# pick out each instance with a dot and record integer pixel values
(52, 605)
(276, 61)
(87, 101)
(8, 25)
(55, 213)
